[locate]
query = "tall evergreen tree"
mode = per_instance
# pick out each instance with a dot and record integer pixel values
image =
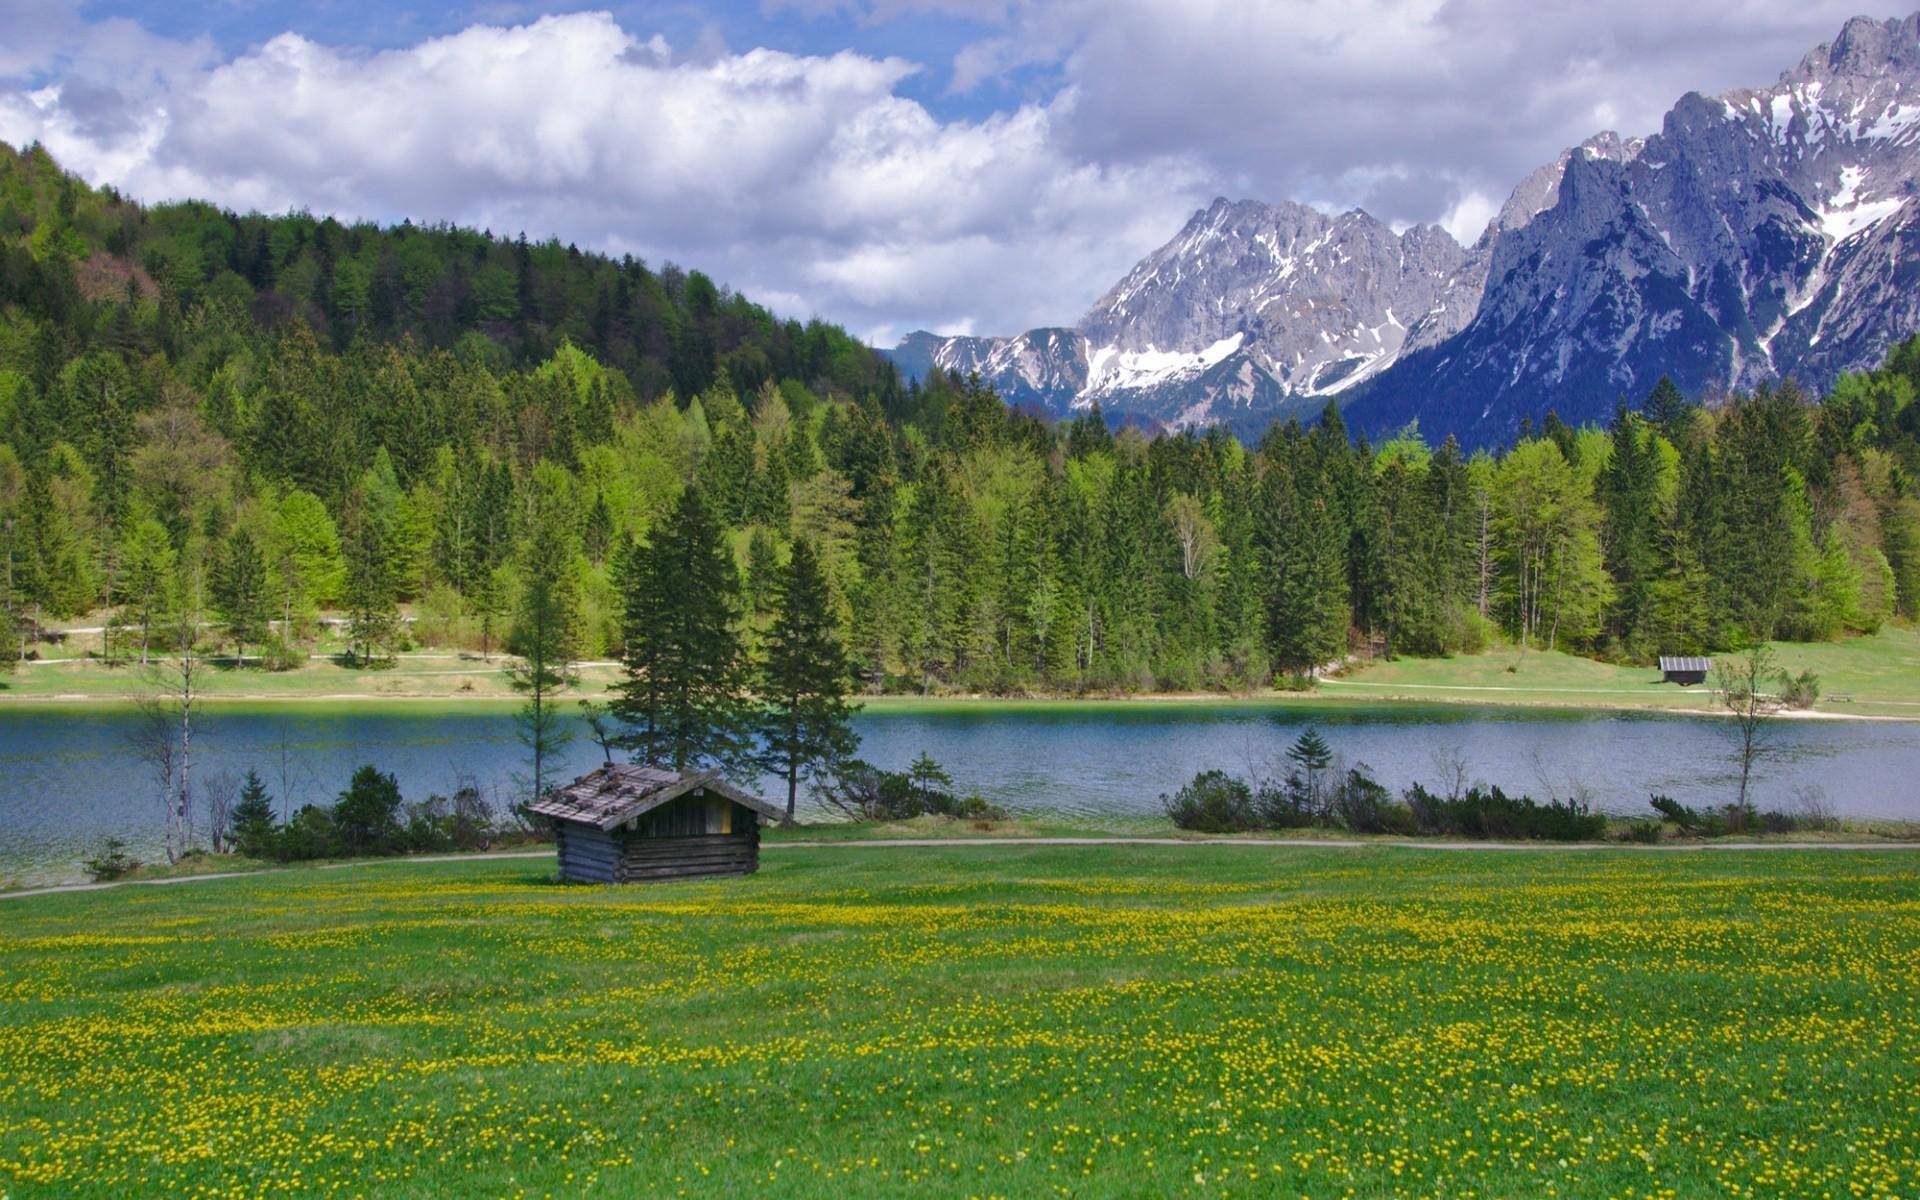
(683, 695)
(546, 624)
(804, 681)
(239, 591)
(1630, 534)
(373, 610)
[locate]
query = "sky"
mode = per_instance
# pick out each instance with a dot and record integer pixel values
(964, 166)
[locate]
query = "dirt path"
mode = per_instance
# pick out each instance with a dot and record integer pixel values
(1263, 843)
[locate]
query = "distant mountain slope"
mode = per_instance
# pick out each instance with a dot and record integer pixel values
(1760, 234)
(1252, 307)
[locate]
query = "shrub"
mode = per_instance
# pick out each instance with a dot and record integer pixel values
(1488, 812)
(861, 791)
(977, 808)
(1362, 804)
(366, 818)
(1799, 691)
(278, 654)
(110, 862)
(1285, 805)
(1646, 831)
(309, 835)
(1213, 802)
(1684, 819)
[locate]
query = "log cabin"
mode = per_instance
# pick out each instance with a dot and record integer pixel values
(626, 823)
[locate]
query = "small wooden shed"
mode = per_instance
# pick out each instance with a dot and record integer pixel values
(625, 823)
(1683, 670)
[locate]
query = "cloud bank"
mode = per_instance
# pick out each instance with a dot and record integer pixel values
(813, 183)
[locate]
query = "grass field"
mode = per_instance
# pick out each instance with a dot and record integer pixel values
(1864, 676)
(1867, 676)
(979, 1021)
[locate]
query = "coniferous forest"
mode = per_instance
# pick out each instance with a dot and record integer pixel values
(268, 418)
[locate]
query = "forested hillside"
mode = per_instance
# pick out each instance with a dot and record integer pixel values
(284, 416)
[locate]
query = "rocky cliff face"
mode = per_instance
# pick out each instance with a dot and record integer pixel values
(1761, 234)
(1253, 307)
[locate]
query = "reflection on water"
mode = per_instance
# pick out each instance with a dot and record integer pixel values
(69, 778)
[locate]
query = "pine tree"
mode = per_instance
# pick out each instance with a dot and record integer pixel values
(252, 821)
(1311, 756)
(546, 624)
(373, 613)
(683, 698)
(805, 718)
(492, 599)
(240, 590)
(763, 572)
(1669, 411)
(146, 566)
(1630, 530)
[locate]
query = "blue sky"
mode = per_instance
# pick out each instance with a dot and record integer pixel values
(962, 165)
(799, 28)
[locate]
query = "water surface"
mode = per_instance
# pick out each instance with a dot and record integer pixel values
(68, 778)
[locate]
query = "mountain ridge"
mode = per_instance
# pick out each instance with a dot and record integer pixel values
(1762, 233)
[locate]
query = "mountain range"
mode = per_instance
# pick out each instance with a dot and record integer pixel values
(1761, 234)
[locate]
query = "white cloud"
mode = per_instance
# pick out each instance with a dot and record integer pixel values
(818, 183)
(1469, 217)
(803, 178)
(1404, 107)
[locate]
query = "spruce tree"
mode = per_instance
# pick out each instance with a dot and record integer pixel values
(1311, 756)
(251, 821)
(1629, 536)
(546, 623)
(805, 718)
(240, 591)
(373, 613)
(146, 566)
(683, 698)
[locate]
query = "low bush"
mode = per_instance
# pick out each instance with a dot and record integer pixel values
(1490, 813)
(1810, 814)
(1361, 803)
(1799, 691)
(1213, 802)
(1645, 831)
(860, 791)
(110, 862)
(281, 655)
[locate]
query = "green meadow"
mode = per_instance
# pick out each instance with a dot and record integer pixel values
(1878, 675)
(979, 1021)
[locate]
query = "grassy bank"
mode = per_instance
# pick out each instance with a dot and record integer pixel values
(1864, 676)
(1099, 1021)
(1868, 676)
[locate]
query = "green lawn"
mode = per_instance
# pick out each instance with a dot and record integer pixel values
(1873, 676)
(980, 1021)
(1869, 676)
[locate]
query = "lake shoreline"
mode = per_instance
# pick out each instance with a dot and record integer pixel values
(913, 703)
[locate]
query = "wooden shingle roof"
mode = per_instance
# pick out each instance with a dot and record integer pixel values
(619, 792)
(1684, 663)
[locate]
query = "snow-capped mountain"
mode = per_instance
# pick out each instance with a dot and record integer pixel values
(1760, 234)
(1250, 307)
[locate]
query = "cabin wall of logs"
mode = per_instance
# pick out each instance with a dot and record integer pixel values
(695, 835)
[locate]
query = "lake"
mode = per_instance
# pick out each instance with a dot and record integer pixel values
(70, 779)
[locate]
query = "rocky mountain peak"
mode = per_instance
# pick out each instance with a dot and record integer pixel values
(1760, 233)
(1865, 47)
